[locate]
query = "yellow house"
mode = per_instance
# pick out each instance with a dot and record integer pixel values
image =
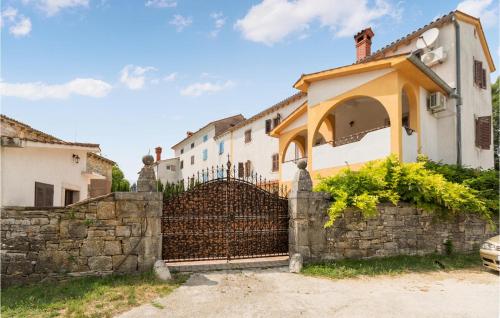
(395, 102)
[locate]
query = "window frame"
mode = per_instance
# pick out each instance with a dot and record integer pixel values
(248, 136)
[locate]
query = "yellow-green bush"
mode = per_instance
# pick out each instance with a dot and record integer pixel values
(389, 180)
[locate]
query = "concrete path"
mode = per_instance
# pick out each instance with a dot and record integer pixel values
(277, 293)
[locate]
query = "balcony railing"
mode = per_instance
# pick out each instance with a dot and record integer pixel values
(344, 140)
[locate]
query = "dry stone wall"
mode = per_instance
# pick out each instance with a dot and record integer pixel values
(119, 232)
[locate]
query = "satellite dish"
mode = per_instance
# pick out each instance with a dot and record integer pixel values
(427, 38)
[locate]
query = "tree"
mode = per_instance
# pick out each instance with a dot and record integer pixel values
(495, 91)
(119, 183)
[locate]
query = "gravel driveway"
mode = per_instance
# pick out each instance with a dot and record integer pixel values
(277, 293)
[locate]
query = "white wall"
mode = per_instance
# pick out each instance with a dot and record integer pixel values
(288, 170)
(199, 145)
(164, 175)
(22, 167)
(410, 146)
(374, 145)
(327, 89)
(476, 101)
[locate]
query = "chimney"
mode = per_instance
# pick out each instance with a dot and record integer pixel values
(363, 41)
(158, 153)
(189, 133)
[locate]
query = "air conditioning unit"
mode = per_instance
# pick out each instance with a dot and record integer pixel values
(11, 141)
(433, 57)
(436, 102)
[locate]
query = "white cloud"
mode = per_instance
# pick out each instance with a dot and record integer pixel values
(134, 77)
(482, 9)
(21, 28)
(181, 22)
(161, 3)
(170, 77)
(19, 25)
(272, 20)
(52, 7)
(198, 89)
(219, 22)
(37, 90)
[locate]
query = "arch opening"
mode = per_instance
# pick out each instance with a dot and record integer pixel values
(350, 120)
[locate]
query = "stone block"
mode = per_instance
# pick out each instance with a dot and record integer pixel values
(161, 271)
(129, 265)
(122, 231)
(132, 244)
(75, 229)
(105, 210)
(130, 208)
(92, 248)
(295, 264)
(100, 263)
(112, 248)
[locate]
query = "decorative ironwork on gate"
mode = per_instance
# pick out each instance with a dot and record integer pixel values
(220, 213)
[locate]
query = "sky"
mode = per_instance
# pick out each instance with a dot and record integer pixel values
(136, 74)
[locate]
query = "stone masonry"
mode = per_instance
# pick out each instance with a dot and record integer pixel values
(119, 232)
(396, 230)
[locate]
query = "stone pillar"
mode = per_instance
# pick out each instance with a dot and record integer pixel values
(147, 179)
(306, 233)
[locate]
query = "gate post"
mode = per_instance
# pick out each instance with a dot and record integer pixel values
(306, 234)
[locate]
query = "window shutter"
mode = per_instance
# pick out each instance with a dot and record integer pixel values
(483, 132)
(483, 78)
(241, 169)
(478, 72)
(275, 162)
(268, 126)
(248, 168)
(44, 194)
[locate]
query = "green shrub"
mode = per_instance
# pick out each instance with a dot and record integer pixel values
(389, 180)
(485, 182)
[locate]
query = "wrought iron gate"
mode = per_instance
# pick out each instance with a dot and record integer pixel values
(222, 213)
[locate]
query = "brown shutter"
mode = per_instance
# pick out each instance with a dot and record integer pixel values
(44, 194)
(483, 132)
(478, 72)
(275, 162)
(248, 168)
(483, 78)
(269, 123)
(241, 169)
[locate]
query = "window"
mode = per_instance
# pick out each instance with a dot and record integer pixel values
(192, 145)
(220, 172)
(192, 160)
(205, 154)
(205, 138)
(182, 164)
(71, 196)
(171, 167)
(269, 126)
(241, 169)
(276, 164)
(276, 120)
(479, 74)
(221, 147)
(168, 167)
(483, 132)
(248, 136)
(248, 168)
(182, 151)
(44, 194)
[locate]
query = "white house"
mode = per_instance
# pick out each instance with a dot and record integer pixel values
(38, 169)
(426, 93)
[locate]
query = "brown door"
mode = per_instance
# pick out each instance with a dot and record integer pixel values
(44, 194)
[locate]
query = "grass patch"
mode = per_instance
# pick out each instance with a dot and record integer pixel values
(85, 297)
(391, 265)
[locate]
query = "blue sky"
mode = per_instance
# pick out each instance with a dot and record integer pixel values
(132, 75)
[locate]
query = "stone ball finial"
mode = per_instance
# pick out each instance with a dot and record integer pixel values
(148, 160)
(302, 164)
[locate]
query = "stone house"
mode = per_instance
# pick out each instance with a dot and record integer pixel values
(39, 169)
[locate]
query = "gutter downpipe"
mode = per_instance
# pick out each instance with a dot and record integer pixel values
(457, 94)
